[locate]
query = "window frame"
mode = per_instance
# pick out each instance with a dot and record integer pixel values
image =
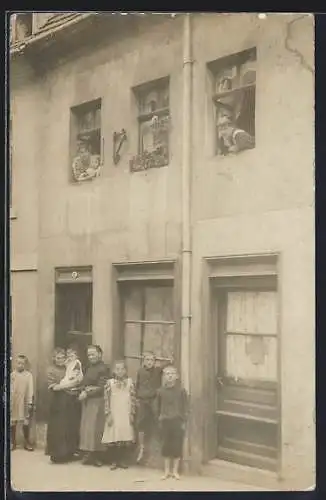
(236, 59)
(160, 272)
(141, 286)
(76, 115)
(160, 85)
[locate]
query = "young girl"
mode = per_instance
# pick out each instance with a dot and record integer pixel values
(21, 401)
(119, 396)
(172, 403)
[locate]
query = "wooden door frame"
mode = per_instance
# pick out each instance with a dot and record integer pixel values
(253, 264)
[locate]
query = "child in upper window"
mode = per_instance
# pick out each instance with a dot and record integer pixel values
(21, 401)
(172, 409)
(232, 139)
(148, 382)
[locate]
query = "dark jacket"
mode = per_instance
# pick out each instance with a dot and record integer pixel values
(148, 382)
(172, 402)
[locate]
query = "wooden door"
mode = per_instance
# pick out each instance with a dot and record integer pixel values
(246, 325)
(73, 317)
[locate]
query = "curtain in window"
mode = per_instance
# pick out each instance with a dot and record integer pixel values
(251, 341)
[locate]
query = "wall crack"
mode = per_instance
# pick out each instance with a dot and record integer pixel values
(293, 50)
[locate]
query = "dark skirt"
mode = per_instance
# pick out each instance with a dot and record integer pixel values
(92, 424)
(172, 435)
(63, 425)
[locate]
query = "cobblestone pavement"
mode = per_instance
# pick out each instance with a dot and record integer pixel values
(34, 472)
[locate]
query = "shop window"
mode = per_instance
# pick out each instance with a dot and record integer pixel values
(153, 125)
(148, 322)
(86, 141)
(234, 93)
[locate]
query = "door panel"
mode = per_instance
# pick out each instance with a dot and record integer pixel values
(73, 317)
(246, 385)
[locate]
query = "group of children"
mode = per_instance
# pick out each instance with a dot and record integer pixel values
(126, 411)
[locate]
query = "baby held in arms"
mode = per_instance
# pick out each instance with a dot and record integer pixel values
(74, 372)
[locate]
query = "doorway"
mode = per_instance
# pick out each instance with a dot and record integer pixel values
(245, 332)
(73, 316)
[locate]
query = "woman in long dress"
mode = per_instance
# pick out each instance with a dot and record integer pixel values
(120, 407)
(91, 396)
(64, 414)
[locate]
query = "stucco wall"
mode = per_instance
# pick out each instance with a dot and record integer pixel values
(278, 173)
(24, 212)
(119, 216)
(262, 201)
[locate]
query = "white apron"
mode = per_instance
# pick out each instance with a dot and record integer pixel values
(120, 406)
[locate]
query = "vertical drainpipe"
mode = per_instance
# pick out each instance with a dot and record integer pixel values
(186, 213)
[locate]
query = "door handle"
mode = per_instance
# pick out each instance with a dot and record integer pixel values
(219, 381)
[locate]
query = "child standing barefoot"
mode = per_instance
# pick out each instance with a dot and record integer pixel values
(21, 401)
(172, 402)
(119, 396)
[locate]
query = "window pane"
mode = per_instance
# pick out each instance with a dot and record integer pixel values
(160, 340)
(132, 303)
(159, 303)
(147, 137)
(251, 357)
(132, 367)
(97, 123)
(252, 312)
(132, 340)
(248, 72)
(246, 114)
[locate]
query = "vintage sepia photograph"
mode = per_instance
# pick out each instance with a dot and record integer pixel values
(162, 255)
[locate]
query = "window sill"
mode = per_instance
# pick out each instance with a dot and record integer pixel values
(231, 157)
(12, 214)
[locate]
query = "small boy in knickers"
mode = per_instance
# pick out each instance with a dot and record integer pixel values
(172, 409)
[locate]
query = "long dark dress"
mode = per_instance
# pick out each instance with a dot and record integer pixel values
(63, 419)
(93, 416)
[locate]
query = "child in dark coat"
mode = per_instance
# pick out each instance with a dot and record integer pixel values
(172, 409)
(148, 382)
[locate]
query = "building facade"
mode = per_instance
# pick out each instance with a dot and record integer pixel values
(163, 199)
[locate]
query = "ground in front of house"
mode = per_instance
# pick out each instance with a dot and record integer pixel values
(32, 471)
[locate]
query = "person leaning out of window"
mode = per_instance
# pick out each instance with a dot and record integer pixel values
(231, 138)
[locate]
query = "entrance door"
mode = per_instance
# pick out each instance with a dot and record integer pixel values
(73, 316)
(246, 372)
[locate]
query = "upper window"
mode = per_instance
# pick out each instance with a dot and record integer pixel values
(86, 141)
(234, 91)
(153, 122)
